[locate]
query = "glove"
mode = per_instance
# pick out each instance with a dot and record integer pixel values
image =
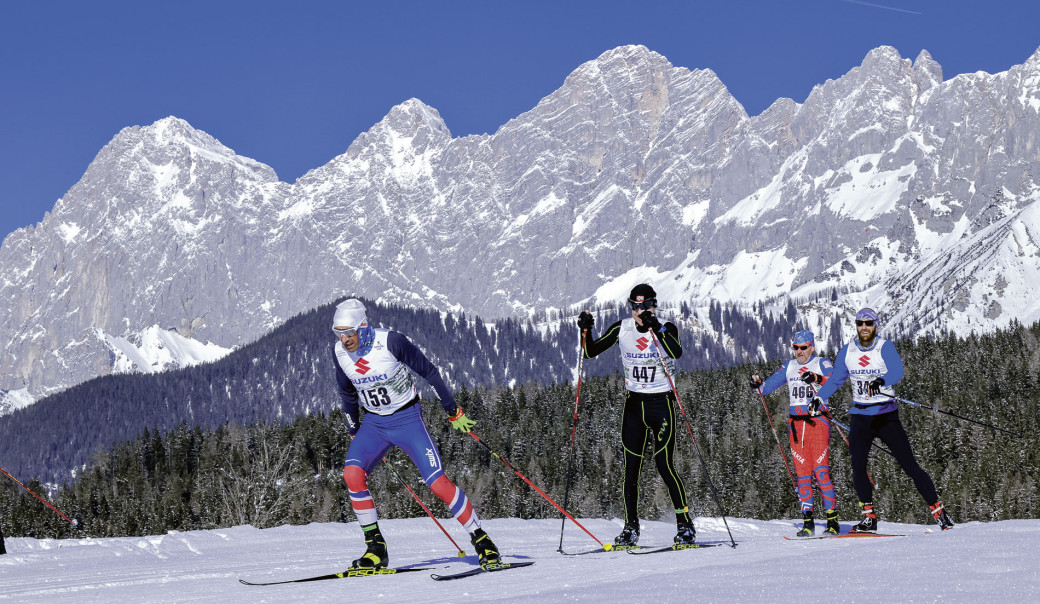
(815, 405)
(874, 387)
(650, 321)
(460, 422)
(585, 321)
(754, 382)
(811, 378)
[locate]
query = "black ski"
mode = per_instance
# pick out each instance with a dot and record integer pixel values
(487, 568)
(843, 536)
(352, 572)
(675, 548)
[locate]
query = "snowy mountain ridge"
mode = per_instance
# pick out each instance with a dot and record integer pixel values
(887, 186)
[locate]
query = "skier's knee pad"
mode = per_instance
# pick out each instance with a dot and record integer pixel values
(356, 478)
(443, 488)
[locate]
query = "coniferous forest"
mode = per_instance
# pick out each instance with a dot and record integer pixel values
(273, 472)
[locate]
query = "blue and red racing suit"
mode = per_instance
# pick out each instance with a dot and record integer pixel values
(809, 436)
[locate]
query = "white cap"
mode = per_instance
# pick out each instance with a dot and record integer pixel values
(350, 313)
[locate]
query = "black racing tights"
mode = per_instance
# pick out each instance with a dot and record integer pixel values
(645, 416)
(863, 429)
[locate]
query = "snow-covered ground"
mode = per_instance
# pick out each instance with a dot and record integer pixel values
(975, 562)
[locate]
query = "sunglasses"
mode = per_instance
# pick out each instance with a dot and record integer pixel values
(349, 332)
(797, 347)
(862, 323)
(645, 304)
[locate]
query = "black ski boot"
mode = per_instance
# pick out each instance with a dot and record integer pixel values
(833, 528)
(869, 522)
(940, 515)
(487, 553)
(629, 535)
(375, 556)
(808, 525)
(686, 534)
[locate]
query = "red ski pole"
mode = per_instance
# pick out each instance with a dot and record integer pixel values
(606, 546)
(45, 502)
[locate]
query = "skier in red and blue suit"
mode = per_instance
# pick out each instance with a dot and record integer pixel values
(374, 370)
(808, 433)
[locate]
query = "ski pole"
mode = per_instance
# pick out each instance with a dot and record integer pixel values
(45, 502)
(903, 400)
(462, 554)
(790, 474)
(574, 430)
(839, 426)
(704, 466)
(826, 413)
(606, 546)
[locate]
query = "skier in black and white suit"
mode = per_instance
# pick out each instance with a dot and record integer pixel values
(649, 405)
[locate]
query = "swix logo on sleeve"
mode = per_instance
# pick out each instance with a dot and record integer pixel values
(864, 361)
(362, 367)
(642, 343)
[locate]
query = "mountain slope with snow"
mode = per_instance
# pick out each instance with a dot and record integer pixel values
(887, 186)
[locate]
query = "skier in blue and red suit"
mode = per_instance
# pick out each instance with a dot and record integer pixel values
(374, 370)
(873, 366)
(808, 433)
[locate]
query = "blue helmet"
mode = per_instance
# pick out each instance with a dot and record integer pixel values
(804, 337)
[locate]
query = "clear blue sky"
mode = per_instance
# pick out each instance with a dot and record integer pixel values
(292, 84)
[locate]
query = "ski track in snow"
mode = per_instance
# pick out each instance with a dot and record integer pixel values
(975, 562)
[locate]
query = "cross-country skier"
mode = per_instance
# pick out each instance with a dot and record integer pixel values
(874, 367)
(649, 411)
(373, 365)
(808, 433)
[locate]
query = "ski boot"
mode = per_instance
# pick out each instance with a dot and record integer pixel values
(487, 553)
(629, 536)
(833, 528)
(808, 525)
(686, 534)
(940, 515)
(869, 522)
(375, 556)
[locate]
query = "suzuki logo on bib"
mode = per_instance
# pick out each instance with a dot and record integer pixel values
(362, 367)
(642, 343)
(864, 361)
(802, 370)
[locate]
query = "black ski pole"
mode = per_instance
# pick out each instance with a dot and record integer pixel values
(961, 417)
(574, 431)
(696, 447)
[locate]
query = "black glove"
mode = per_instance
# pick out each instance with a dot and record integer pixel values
(353, 424)
(650, 321)
(815, 405)
(754, 382)
(874, 387)
(811, 378)
(585, 321)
